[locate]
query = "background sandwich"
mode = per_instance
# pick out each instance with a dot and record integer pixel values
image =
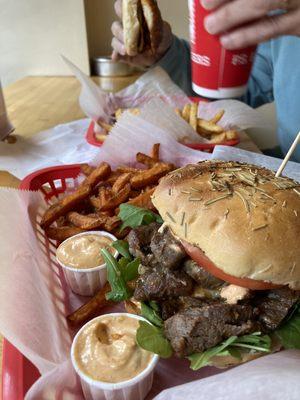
(143, 25)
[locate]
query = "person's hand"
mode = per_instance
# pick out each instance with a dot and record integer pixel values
(145, 59)
(230, 15)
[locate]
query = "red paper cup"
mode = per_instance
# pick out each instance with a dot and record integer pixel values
(216, 72)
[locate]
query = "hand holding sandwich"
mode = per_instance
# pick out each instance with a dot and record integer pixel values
(143, 37)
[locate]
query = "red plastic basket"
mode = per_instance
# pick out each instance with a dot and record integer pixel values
(207, 147)
(18, 373)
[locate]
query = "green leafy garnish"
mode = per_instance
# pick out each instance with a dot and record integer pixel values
(123, 248)
(151, 338)
(154, 304)
(119, 289)
(152, 314)
(289, 332)
(199, 360)
(133, 216)
(130, 272)
(150, 335)
(253, 342)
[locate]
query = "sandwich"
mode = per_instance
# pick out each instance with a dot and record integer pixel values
(222, 272)
(143, 25)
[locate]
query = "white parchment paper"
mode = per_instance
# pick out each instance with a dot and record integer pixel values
(156, 84)
(63, 144)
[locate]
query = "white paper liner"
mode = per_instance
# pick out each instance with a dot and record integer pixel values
(63, 144)
(132, 134)
(153, 85)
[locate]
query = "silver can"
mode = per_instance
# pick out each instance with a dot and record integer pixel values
(104, 66)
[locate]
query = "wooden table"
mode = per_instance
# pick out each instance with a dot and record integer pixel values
(38, 103)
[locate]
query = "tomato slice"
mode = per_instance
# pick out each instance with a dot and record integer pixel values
(201, 259)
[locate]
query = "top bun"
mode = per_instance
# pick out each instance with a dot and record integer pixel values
(131, 26)
(245, 220)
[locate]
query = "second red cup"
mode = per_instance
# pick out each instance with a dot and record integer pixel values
(216, 72)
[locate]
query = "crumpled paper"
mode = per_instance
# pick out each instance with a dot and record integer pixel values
(132, 134)
(156, 84)
(64, 144)
(274, 377)
(98, 104)
(34, 298)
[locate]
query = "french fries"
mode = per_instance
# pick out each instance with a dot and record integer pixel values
(86, 169)
(217, 118)
(116, 199)
(121, 182)
(105, 126)
(91, 308)
(143, 200)
(66, 204)
(155, 152)
(146, 160)
(63, 232)
(87, 222)
(100, 137)
(186, 112)
(94, 205)
(99, 174)
(150, 176)
(206, 128)
(193, 116)
(231, 135)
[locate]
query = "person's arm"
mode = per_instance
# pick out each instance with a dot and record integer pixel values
(260, 86)
(177, 63)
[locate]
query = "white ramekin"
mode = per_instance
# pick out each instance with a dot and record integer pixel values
(133, 389)
(86, 282)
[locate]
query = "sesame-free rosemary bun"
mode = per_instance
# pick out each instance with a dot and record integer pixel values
(244, 219)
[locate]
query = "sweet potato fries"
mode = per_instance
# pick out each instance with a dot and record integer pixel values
(94, 205)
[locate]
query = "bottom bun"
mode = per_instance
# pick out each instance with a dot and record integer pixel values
(229, 361)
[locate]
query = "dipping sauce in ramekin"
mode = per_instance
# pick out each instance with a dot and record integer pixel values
(108, 360)
(82, 262)
(84, 251)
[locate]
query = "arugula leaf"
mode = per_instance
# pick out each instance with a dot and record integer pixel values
(123, 248)
(151, 315)
(151, 338)
(119, 289)
(254, 342)
(130, 271)
(289, 332)
(154, 304)
(233, 352)
(200, 360)
(133, 216)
